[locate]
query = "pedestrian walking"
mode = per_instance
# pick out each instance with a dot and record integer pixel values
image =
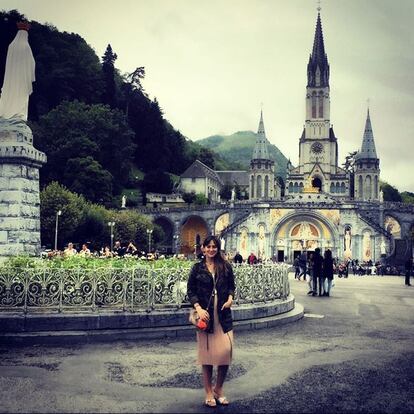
(328, 272)
(252, 259)
(303, 259)
(238, 258)
(297, 267)
(211, 289)
(408, 271)
(310, 273)
(318, 278)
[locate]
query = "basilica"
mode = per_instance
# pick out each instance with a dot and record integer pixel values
(320, 204)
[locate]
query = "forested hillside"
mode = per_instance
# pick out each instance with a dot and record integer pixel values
(239, 147)
(98, 127)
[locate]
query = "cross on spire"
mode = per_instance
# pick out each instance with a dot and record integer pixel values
(319, 8)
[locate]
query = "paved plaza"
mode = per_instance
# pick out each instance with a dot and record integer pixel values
(352, 351)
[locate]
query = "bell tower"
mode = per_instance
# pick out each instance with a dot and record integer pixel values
(318, 144)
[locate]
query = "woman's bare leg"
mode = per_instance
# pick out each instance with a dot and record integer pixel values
(207, 376)
(221, 376)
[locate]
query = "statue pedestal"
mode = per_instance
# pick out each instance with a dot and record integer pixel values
(19, 190)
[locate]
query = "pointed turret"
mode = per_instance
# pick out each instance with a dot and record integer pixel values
(367, 171)
(262, 168)
(260, 151)
(318, 66)
(368, 145)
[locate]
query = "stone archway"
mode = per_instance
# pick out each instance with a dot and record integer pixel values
(221, 223)
(192, 233)
(392, 225)
(165, 245)
(317, 182)
(303, 231)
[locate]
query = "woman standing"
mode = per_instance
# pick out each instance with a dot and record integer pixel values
(210, 289)
(328, 271)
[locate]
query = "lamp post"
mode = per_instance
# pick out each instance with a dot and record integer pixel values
(58, 213)
(149, 232)
(111, 225)
(176, 249)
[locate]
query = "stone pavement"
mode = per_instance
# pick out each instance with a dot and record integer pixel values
(367, 318)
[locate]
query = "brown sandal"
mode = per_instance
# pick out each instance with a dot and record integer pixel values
(221, 400)
(211, 402)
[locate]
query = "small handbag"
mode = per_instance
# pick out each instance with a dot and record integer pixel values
(195, 319)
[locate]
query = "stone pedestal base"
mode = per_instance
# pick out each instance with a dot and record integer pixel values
(19, 210)
(19, 193)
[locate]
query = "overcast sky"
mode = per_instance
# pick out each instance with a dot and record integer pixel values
(211, 64)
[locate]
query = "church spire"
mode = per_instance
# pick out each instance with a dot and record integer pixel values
(260, 151)
(318, 66)
(368, 150)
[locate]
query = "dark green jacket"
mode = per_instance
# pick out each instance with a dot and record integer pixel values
(200, 286)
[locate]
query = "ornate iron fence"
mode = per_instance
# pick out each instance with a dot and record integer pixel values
(126, 289)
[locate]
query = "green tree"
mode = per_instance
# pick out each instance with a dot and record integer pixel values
(225, 193)
(390, 192)
(87, 177)
(158, 182)
(77, 130)
(407, 197)
(93, 227)
(200, 199)
(53, 198)
(130, 225)
(206, 156)
(189, 197)
(132, 84)
(108, 69)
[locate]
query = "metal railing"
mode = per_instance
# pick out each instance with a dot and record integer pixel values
(139, 288)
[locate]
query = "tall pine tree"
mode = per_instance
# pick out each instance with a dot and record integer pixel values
(108, 69)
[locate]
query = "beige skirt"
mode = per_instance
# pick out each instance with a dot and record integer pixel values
(215, 348)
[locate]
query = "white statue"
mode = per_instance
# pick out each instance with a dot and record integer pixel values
(366, 246)
(381, 196)
(123, 201)
(222, 244)
(383, 247)
(347, 238)
(261, 241)
(18, 77)
(233, 194)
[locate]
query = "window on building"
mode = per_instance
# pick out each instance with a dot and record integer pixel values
(314, 106)
(320, 105)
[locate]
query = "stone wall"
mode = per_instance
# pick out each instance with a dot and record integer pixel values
(19, 210)
(19, 192)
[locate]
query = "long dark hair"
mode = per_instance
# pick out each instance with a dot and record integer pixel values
(219, 261)
(328, 254)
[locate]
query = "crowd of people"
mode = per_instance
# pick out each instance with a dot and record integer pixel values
(308, 264)
(118, 250)
(320, 270)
